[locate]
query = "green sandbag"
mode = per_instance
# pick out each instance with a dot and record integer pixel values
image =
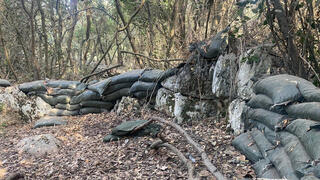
(88, 110)
(308, 110)
(276, 155)
(268, 118)
(68, 107)
(144, 86)
(85, 96)
(260, 101)
(271, 135)
(144, 94)
(32, 86)
(280, 88)
(50, 121)
(300, 160)
(117, 87)
(308, 133)
(97, 104)
(62, 84)
(264, 169)
(60, 112)
(101, 86)
(130, 76)
(58, 91)
(49, 99)
(310, 92)
(156, 75)
(63, 99)
(245, 144)
(4, 83)
(116, 95)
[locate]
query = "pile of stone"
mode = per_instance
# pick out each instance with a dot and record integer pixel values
(69, 98)
(283, 123)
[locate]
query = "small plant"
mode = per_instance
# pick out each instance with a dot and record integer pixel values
(1, 107)
(251, 59)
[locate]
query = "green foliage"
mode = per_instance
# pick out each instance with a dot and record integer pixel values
(1, 107)
(250, 59)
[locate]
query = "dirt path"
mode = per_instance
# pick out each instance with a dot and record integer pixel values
(83, 155)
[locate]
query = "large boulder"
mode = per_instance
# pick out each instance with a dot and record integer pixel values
(165, 101)
(236, 110)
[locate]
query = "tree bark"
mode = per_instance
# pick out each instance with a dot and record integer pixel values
(45, 37)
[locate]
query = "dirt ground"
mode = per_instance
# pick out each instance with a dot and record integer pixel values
(83, 155)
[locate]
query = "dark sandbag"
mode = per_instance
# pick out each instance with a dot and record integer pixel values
(268, 118)
(80, 88)
(116, 95)
(63, 99)
(260, 101)
(32, 86)
(144, 86)
(245, 144)
(308, 133)
(58, 91)
(100, 87)
(49, 99)
(309, 110)
(50, 121)
(268, 133)
(92, 82)
(152, 75)
(264, 169)
(130, 76)
(117, 87)
(144, 94)
(309, 91)
(60, 112)
(276, 155)
(87, 95)
(300, 160)
(88, 110)
(4, 83)
(62, 84)
(68, 107)
(97, 104)
(280, 88)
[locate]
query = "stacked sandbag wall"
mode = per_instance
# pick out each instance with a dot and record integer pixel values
(69, 98)
(283, 128)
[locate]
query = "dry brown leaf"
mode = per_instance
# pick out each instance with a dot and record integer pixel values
(3, 172)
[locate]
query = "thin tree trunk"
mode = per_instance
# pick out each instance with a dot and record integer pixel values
(73, 5)
(45, 36)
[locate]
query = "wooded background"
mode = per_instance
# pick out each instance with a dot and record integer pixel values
(66, 39)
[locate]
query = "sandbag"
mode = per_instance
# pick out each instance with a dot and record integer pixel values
(308, 110)
(85, 96)
(280, 88)
(60, 112)
(4, 83)
(245, 144)
(62, 84)
(309, 91)
(268, 118)
(309, 177)
(116, 95)
(58, 91)
(265, 169)
(48, 99)
(97, 104)
(308, 133)
(130, 76)
(144, 94)
(32, 86)
(268, 133)
(275, 154)
(300, 160)
(80, 88)
(100, 87)
(117, 87)
(68, 107)
(151, 75)
(88, 110)
(260, 101)
(144, 86)
(63, 99)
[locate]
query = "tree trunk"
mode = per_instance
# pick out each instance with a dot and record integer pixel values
(45, 37)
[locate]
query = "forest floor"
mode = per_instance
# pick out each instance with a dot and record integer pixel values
(83, 155)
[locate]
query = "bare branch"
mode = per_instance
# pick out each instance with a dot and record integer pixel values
(100, 72)
(133, 15)
(152, 59)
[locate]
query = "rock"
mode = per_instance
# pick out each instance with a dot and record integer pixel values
(127, 104)
(221, 81)
(165, 101)
(254, 64)
(29, 108)
(236, 109)
(170, 83)
(39, 145)
(4, 83)
(50, 121)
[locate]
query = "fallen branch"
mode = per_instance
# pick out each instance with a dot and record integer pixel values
(100, 72)
(152, 59)
(189, 165)
(203, 154)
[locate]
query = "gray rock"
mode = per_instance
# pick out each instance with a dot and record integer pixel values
(170, 83)
(236, 108)
(127, 104)
(165, 101)
(50, 121)
(39, 145)
(4, 83)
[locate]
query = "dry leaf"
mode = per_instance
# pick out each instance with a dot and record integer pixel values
(3, 172)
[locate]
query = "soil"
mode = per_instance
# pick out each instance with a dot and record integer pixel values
(83, 155)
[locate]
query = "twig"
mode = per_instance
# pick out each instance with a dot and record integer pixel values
(315, 73)
(107, 69)
(152, 59)
(133, 15)
(204, 156)
(189, 165)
